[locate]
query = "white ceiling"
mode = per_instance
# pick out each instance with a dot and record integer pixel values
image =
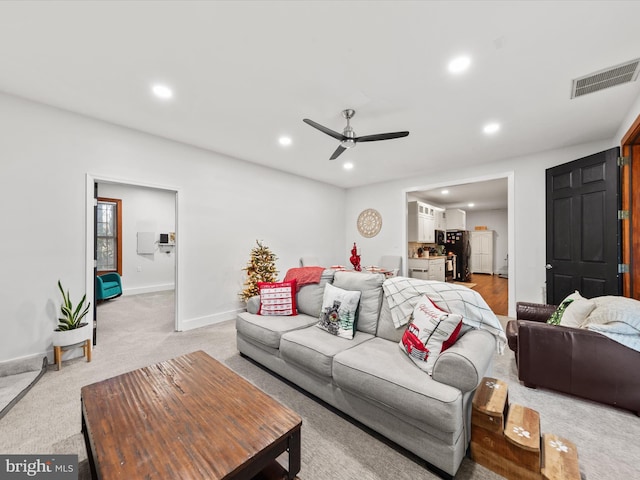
(245, 73)
(486, 195)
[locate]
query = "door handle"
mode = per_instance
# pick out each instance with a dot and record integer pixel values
(548, 266)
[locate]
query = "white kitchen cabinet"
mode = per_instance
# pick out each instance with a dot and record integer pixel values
(482, 251)
(456, 219)
(421, 223)
(440, 222)
(430, 268)
(436, 269)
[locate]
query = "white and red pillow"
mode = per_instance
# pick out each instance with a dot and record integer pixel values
(430, 333)
(278, 298)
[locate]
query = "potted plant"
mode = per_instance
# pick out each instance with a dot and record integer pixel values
(71, 329)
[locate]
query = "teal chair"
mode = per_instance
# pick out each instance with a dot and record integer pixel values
(108, 286)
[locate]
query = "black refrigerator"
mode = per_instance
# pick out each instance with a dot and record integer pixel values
(457, 242)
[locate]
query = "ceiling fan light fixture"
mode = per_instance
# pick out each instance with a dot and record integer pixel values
(348, 137)
(348, 143)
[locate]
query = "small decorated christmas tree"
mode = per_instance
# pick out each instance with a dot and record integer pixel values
(260, 268)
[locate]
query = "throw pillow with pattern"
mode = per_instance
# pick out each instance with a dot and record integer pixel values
(556, 317)
(430, 333)
(338, 314)
(277, 298)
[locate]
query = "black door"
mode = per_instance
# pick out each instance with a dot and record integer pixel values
(583, 246)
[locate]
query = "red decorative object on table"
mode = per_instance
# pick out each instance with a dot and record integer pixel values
(355, 258)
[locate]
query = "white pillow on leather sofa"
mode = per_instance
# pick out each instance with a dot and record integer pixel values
(577, 311)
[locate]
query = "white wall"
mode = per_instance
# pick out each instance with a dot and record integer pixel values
(497, 221)
(632, 115)
(527, 273)
(224, 205)
(144, 210)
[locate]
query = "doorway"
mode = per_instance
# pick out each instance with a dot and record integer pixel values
(492, 193)
(146, 198)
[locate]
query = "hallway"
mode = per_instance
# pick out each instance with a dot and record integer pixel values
(495, 291)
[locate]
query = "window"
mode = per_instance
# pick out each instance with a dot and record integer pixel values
(109, 235)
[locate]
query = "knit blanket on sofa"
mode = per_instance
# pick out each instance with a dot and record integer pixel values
(304, 275)
(617, 318)
(402, 295)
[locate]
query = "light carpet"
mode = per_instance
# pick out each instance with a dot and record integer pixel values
(136, 331)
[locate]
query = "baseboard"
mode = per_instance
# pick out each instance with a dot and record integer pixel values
(148, 289)
(210, 319)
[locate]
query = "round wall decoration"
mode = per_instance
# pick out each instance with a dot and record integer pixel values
(369, 223)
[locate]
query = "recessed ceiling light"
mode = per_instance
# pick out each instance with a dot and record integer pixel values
(284, 141)
(445, 192)
(347, 166)
(459, 64)
(162, 91)
(471, 205)
(491, 128)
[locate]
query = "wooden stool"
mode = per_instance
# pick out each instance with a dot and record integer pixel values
(514, 456)
(523, 435)
(506, 439)
(57, 351)
(560, 459)
(490, 405)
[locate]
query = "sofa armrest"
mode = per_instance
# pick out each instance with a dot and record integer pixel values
(576, 361)
(466, 362)
(253, 304)
(537, 312)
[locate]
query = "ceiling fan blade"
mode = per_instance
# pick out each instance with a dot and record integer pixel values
(322, 128)
(338, 152)
(380, 136)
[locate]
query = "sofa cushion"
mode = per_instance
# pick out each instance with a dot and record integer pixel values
(370, 285)
(313, 350)
(577, 311)
(338, 315)
(268, 330)
(379, 371)
(309, 298)
(556, 316)
(386, 327)
(572, 311)
(277, 298)
(430, 332)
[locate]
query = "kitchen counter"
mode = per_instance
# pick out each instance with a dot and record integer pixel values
(428, 268)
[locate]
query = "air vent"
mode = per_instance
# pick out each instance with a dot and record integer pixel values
(610, 77)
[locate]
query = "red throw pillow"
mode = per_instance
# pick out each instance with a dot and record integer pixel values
(430, 333)
(277, 298)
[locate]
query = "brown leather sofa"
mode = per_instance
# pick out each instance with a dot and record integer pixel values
(573, 360)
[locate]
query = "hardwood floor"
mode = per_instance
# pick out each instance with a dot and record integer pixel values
(494, 290)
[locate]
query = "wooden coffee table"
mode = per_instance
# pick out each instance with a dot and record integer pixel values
(187, 418)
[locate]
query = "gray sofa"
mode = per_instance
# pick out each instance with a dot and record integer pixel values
(369, 377)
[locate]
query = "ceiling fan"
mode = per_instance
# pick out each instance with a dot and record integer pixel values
(348, 137)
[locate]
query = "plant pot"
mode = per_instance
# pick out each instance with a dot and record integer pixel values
(64, 338)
